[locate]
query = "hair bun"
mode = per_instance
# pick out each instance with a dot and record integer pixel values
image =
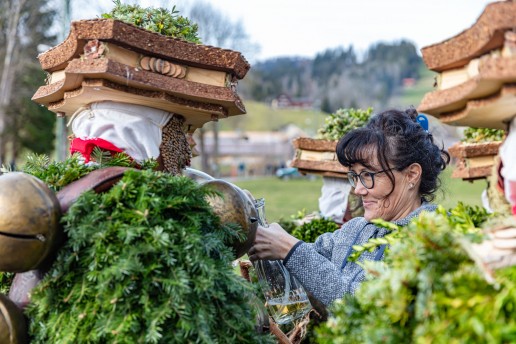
(412, 113)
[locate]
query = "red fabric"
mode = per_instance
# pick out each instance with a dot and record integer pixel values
(85, 147)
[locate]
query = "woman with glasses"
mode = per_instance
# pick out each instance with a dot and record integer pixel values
(394, 166)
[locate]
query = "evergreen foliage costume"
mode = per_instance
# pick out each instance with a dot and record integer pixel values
(143, 257)
(144, 262)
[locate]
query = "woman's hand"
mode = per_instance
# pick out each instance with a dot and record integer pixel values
(271, 243)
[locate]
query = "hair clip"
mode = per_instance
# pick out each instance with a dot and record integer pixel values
(423, 121)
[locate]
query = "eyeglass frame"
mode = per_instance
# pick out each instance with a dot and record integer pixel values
(351, 177)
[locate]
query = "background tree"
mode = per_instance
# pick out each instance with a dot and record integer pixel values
(25, 26)
(10, 18)
(218, 30)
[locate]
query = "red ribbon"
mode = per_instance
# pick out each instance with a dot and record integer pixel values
(85, 147)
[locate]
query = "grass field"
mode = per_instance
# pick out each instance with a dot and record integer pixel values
(286, 198)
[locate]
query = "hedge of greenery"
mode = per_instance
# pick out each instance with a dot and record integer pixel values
(339, 123)
(428, 290)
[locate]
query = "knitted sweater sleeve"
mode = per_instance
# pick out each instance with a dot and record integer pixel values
(313, 266)
(319, 266)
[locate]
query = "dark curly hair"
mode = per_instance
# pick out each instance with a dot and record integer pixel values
(398, 141)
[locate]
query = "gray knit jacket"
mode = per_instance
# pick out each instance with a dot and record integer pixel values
(322, 267)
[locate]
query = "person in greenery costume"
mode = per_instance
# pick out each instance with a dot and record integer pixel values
(147, 261)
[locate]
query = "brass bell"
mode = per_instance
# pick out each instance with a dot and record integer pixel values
(235, 206)
(29, 222)
(13, 328)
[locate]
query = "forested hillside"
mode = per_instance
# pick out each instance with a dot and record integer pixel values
(337, 77)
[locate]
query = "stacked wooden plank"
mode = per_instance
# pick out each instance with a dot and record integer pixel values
(476, 85)
(314, 156)
(476, 82)
(475, 160)
(106, 59)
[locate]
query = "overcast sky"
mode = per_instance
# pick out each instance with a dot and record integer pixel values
(304, 28)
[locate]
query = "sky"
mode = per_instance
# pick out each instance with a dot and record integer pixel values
(305, 28)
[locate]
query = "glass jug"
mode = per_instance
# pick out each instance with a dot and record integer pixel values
(286, 298)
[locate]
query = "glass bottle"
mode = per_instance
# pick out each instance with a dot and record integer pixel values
(285, 296)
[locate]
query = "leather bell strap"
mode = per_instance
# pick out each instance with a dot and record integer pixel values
(98, 180)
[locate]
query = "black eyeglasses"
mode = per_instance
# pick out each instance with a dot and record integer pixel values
(366, 178)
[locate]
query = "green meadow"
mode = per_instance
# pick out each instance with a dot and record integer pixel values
(262, 117)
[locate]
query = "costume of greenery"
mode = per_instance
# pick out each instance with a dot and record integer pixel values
(428, 290)
(144, 262)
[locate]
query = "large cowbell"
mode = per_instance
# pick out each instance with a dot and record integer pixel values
(234, 205)
(29, 222)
